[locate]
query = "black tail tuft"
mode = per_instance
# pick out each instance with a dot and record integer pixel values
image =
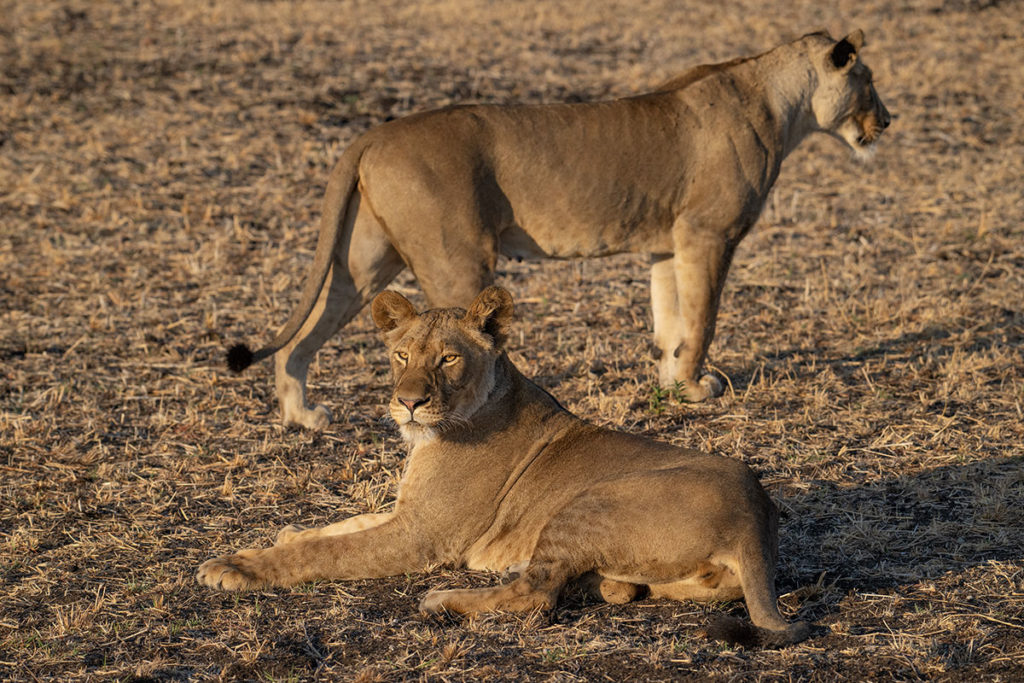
(239, 357)
(739, 632)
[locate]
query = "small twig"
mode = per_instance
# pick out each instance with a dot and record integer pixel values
(992, 619)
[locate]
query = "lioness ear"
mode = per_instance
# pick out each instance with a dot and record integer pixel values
(492, 312)
(856, 39)
(391, 309)
(844, 53)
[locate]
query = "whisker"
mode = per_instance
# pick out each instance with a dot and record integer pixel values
(452, 421)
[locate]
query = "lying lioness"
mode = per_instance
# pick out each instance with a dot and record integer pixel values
(501, 476)
(680, 173)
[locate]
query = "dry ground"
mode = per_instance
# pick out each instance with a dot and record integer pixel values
(161, 167)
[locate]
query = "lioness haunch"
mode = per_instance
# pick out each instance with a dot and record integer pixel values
(499, 476)
(680, 174)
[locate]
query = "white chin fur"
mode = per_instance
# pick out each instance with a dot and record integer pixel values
(864, 153)
(861, 152)
(414, 433)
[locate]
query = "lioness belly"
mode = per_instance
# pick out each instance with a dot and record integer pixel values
(587, 241)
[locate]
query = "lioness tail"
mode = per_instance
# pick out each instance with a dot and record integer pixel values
(342, 182)
(240, 357)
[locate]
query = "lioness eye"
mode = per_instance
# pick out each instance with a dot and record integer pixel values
(402, 356)
(449, 358)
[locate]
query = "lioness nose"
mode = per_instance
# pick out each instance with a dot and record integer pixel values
(412, 403)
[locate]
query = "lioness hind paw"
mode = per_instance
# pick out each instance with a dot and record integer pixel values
(618, 592)
(513, 572)
(316, 419)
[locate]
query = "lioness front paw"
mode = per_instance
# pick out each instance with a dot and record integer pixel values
(241, 571)
(434, 602)
(289, 534)
(709, 386)
(316, 419)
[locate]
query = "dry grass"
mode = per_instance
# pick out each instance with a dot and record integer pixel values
(160, 174)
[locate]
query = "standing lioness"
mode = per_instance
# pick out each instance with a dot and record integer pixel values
(681, 173)
(500, 476)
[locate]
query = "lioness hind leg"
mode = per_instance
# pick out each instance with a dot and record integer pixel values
(709, 584)
(537, 587)
(442, 216)
(363, 265)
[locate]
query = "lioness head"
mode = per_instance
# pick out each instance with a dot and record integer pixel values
(845, 103)
(443, 361)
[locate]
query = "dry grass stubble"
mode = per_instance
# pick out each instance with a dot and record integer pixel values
(161, 169)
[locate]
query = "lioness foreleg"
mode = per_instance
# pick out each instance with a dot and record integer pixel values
(384, 550)
(685, 291)
(299, 532)
(537, 587)
(593, 584)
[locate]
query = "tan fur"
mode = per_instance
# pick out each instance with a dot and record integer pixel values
(501, 477)
(681, 174)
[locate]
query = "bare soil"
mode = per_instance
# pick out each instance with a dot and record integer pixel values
(161, 169)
